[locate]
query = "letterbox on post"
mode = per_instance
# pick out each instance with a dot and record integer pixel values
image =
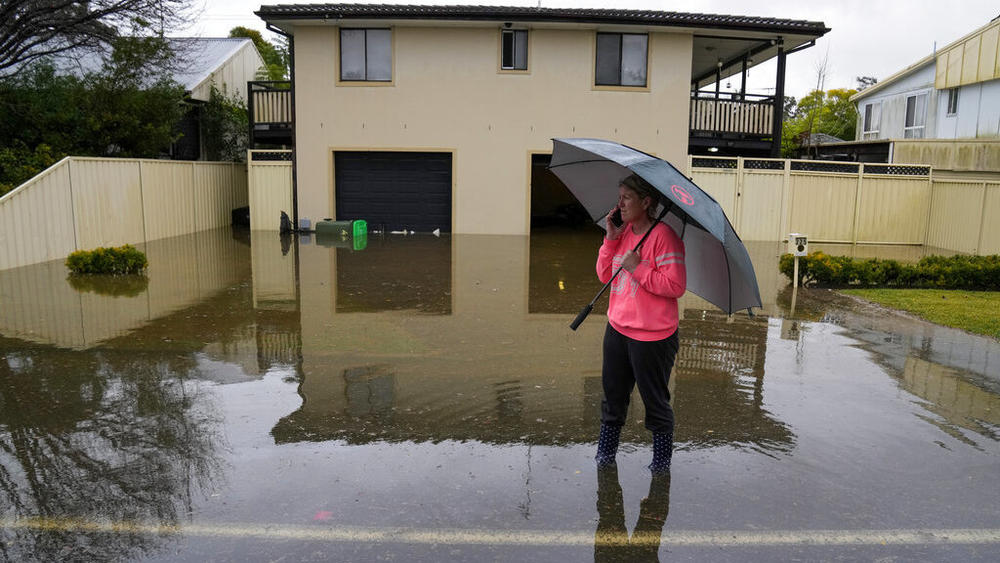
(798, 244)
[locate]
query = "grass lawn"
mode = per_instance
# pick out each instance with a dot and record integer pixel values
(974, 311)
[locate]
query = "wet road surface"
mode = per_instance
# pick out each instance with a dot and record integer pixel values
(423, 399)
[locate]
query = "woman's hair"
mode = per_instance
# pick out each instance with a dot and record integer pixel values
(641, 188)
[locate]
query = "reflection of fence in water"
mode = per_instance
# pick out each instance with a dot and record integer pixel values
(953, 398)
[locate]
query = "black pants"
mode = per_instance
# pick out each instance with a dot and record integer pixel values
(628, 363)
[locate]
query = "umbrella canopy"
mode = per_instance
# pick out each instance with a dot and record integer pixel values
(718, 265)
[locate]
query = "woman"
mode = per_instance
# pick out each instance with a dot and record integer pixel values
(640, 342)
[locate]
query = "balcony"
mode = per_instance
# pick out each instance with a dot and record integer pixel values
(739, 124)
(269, 107)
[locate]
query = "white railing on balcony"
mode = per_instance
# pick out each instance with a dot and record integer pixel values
(752, 115)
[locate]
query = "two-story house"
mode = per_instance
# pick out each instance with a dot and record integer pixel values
(438, 117)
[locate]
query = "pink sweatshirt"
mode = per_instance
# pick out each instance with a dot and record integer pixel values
(643, 304)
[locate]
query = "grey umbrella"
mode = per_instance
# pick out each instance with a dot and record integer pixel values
(718, 265)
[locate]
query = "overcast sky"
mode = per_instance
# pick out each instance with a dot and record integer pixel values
(867, 38)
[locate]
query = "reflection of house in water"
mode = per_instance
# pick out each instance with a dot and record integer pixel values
(382, 364)
(720, 383)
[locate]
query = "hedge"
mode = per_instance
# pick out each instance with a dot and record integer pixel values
(117, 261)
(980, 273)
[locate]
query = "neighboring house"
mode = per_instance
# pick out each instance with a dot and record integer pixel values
(425, 117)
(227, 63)
(942, 110)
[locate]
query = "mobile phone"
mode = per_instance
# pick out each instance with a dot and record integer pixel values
(616, 218)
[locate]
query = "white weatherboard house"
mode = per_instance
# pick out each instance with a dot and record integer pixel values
(427, 117)
(951, 95)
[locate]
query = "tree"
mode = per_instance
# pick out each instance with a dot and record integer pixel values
(275, 56)
(226, 127)
(829, 112)
(34, 29)
(865, 82)
(128, 109)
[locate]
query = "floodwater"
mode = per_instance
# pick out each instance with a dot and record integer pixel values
(423, 399)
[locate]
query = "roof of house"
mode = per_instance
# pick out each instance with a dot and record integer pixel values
(517, 13)
(198, 58)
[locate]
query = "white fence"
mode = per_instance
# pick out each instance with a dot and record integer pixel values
(81, 203)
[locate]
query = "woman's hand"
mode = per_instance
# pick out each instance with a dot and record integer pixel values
(613, 232)
(630, 260)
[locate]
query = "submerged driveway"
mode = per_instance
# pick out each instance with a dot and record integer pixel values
(424, 399)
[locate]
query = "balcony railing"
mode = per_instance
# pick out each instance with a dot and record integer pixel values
(269, 106)
(727, 115)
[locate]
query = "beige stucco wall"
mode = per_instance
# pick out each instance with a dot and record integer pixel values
(447, 94)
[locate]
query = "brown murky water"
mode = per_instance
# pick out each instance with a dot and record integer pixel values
(424, 399)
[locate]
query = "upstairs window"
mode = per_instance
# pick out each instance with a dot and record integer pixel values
(365, 55)
(953, 101)
(916, 115)
(873, 117)
(621, 59)
(514, 49)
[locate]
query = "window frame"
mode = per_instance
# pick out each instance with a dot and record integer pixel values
(953, 100)
(513, 33)
(911, 129)
(619, 85)
(365, 81)
(867, 120)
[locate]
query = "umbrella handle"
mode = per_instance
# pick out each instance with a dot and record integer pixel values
(583, 315)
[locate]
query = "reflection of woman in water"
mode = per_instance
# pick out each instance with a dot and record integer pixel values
(640, 341)
(611, 541)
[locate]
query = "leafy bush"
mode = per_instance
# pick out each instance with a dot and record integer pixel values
(944, 272)
(118, 261)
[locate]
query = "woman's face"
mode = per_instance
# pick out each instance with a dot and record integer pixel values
(633, 207)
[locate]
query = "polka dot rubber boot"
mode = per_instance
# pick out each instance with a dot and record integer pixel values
(663, 449)
(607, 445)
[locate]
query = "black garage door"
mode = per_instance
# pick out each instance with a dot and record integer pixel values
(395, 190)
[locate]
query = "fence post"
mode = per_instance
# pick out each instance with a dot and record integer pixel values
(142, 201)
(738, 201)
(930, 206)
(857, 204)
(982, 223)
(786, 202)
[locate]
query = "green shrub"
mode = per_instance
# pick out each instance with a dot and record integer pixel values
(118, 261)
(944, 272)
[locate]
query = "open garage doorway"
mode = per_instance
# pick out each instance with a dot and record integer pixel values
(553, 207)
(563, 246)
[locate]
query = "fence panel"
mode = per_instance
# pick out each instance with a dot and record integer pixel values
(36, 219)
(893, 209)
(270, 189)
(219, 188)
(720, 184)
(956, 212)
(822, 205)
(167, 198)
(989, 236)
(761, 205)
(107, 202)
